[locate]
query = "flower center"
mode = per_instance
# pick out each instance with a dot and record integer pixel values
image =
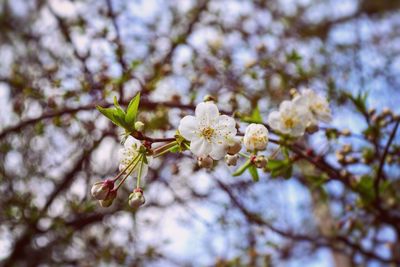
(289, 123)
(207, 132)
(317, 106)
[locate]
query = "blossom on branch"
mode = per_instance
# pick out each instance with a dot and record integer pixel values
(291, 119)
(256, 137)
(317, 105)
(208, 131)
(130, 153)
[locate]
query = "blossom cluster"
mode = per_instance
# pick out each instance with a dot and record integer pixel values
(212, 136)
(304, 111)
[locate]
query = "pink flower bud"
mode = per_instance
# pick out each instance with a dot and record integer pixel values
(136, 199)
(100, 190)
(109, 199)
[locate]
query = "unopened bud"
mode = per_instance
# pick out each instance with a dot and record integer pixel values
(340, 157)
(387, 112)
(234, 148)
(260, 162)
(312, 129)
(136, 199)
(346, 132)
(389, 160)
(109, 199)
(351, 160)
(347, 148)
(139, 126)
(343, 173)
(209, 98)
(231, 160)
(205, 162)
(293, 92)
(101, 189)
(371, 111)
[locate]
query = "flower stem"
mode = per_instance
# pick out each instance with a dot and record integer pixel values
(244, 155)
(275, 153)
(126, 168)
(163, 149)
(139, 173)
(137, 159)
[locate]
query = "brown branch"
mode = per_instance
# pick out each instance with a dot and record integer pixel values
(20, 246)
(65, 111)
(379, 175)
(326, 242)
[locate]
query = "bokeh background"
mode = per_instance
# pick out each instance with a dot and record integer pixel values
(60, 58)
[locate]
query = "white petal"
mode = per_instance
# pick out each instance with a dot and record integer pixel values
(325, 117)
(302, 101)
(206, 113)
(132, 142)
(200, 147)
(247, 143)
(226, 126)
(286, 107)
(274, 120)
(298, 130)
(188, 127)
(218, 151)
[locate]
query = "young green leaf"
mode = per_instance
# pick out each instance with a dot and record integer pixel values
(253, 171)
(132, 110)
(255, 116)
(117, 106)
(242, 168)
(109, 113)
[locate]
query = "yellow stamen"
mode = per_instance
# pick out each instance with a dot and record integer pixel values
(207, 132)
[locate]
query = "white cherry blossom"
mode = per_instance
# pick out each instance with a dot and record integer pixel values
(318, 105)
(208, 131)
(291, 119)
(255, 137)
(129, 153)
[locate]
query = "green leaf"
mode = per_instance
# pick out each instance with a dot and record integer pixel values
(242, 168)
(253, 171)
(132, 110)
(366, 189)
(119, 116)
(109, 113)
(117, 106)
(275, 164)
(279, 168)
(255, 116)
(294, 56)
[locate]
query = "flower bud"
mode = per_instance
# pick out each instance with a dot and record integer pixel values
(386, 112)
(313, 128)
(256, 137)
(139, 126)
(234, 148)
(205, 162)
(109, 199)
(351, 160)
(209, 98)
(136, 199)
(231, 160)
(260, 162)
(293, 92)
(345, 132)
(101, 189)
(340, 157)
(347, 148)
